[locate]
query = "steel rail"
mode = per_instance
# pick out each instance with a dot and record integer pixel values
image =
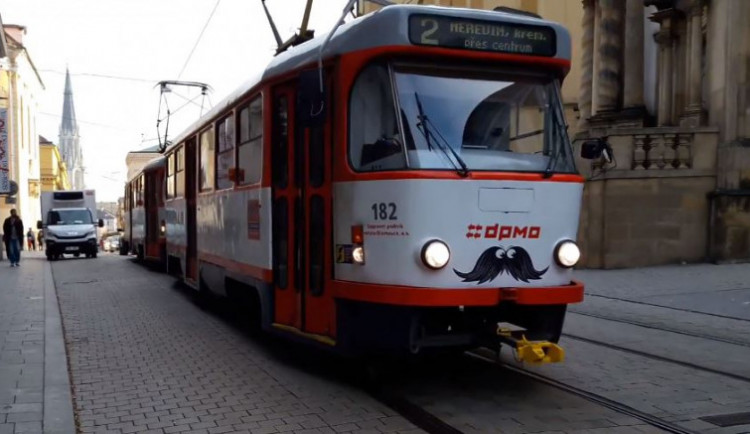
(589, 396)
(666, 329)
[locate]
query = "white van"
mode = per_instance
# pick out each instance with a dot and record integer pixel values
(69, 223)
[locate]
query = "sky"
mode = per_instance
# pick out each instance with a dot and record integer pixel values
(117, 50)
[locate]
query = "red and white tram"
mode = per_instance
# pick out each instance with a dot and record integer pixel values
(427, 197)
(145, 214)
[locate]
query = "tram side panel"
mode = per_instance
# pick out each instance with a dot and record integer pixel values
(176, 235)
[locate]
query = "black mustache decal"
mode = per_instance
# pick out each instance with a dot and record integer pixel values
(515, 261)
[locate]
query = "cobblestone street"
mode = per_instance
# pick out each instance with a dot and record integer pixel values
(144, 357)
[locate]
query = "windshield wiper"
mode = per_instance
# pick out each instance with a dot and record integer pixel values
(426, 130)
(558, 115)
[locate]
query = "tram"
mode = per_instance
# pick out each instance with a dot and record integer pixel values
(402, 184)
(145, 214)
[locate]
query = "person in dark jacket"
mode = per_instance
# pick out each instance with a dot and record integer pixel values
(13, 237)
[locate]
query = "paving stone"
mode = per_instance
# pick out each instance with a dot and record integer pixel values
(134, 341)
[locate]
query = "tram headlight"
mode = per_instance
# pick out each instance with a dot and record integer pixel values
(358, 255)
(567, 253)
(435, 254)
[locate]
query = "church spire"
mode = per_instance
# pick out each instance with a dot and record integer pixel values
(70, 148)
(69, 124)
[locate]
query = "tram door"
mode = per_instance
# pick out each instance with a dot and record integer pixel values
(152, 213)
(191, 265)
(301, 177)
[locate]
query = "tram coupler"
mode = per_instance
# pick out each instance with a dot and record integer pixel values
(534, 352)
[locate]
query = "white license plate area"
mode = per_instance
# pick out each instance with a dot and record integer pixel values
(71, 249)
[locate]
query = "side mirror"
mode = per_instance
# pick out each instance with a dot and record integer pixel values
(312, 106)
(101, 223)
(39, 224)
(596, 148)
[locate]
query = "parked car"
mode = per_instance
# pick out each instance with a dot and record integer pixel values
(112, 244)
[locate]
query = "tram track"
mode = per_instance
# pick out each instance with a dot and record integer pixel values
(659, 358)
(656, 422)
(644, 303)
(666, 329)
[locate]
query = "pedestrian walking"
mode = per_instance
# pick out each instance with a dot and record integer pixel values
(13, 237)
(31, 240)
(40, 239)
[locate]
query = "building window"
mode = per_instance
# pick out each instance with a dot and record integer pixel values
(180, 172)
(170, 176)
(207, 160)
(250, 160)
(224, 153)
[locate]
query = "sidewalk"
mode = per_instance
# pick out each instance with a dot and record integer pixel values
(34, 385)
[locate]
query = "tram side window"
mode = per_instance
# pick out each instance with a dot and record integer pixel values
(132, 190)
(180, 172)
(141, 185)
(374, 139)
(207, 160)
(170, 176)
(250, 153)
(224, 153)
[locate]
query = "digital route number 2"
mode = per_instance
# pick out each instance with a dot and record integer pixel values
(430, 26)
(384, 211)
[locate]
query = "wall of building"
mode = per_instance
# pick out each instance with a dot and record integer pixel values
(135, 161)
(21, 85)
(54, 174)
(729, 108)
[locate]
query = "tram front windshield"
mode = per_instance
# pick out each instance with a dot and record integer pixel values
(454, 120)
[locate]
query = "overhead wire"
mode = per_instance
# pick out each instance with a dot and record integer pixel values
(199, 39)
(86, 122)
(96, 75)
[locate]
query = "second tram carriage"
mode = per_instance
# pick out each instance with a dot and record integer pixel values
(427, 197)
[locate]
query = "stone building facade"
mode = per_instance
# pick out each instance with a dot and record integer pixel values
(137, 160)
(667, 84)
(20, 86)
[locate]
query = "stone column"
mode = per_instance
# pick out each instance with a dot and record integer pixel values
(610, 56)
(665, 40)
(587, 63)
(633, 80)
(693, 113)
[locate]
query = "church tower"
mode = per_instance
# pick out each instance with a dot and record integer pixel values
(70, 147)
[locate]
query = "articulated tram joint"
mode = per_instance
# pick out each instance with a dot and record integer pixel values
(534, 352)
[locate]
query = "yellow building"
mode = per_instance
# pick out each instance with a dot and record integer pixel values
(569, 13)
(20, 86)
(54, 174)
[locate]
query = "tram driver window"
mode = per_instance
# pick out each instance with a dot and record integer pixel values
(374, 139)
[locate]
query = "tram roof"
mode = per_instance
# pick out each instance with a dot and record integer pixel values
(388, 26)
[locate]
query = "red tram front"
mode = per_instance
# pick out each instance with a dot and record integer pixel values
(428, 199)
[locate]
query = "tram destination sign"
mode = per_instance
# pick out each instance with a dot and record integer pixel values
(469, 34)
